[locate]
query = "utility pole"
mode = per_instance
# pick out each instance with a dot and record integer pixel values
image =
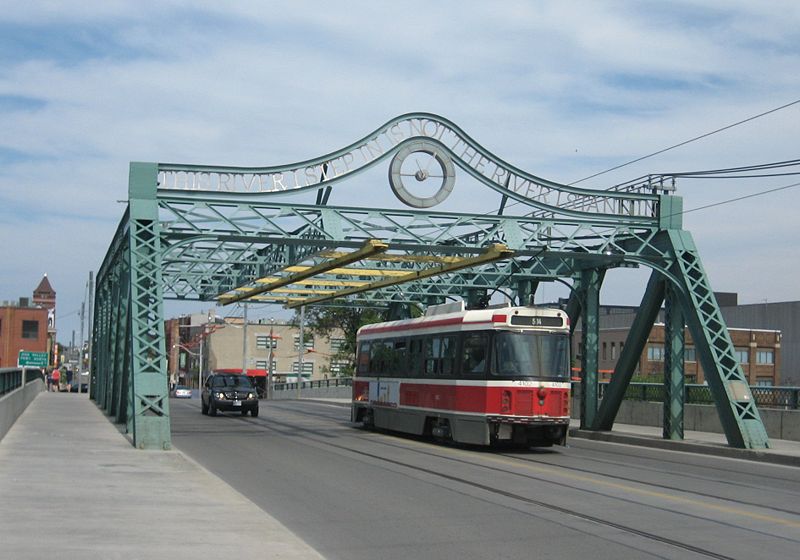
(270, 369)
(244, 342)
(301, 344)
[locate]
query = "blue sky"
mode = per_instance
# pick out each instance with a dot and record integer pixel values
(560, 89)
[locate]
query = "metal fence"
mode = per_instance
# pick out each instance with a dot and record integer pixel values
(319, 383)
(11, 378)
(766, 397)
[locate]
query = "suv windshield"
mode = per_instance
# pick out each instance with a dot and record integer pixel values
(530, 355)
(241, 381)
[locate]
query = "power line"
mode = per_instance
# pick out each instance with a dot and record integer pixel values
(706, 135)
(737, 199)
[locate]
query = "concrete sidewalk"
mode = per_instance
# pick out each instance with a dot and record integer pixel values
(73, 487)
(782, 452)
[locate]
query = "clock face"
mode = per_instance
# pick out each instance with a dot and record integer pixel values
(423, 167)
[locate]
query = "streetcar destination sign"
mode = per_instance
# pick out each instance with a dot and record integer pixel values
(32, 359)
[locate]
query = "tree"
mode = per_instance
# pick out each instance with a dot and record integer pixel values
(325, 321)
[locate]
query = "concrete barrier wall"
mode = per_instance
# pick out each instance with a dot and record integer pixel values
(779, 423)
(13, 404)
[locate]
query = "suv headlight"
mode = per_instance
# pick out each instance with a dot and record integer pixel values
(250, 396)
(220, 395)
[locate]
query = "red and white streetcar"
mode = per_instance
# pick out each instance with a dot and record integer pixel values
(480, 376)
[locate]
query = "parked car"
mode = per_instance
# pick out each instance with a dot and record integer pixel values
(229, 392)
(182, 392)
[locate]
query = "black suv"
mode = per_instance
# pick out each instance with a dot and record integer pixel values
(229, 392)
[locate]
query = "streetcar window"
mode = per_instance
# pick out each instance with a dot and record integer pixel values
(476, 350)
(432, 351)
(530, 355)
(415, 356)
(377, 358)
(396, 357)
(363, 358)
(440, 355)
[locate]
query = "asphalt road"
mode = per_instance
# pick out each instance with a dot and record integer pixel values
(353, 494)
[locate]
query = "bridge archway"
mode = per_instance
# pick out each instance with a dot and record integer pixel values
(228, 234)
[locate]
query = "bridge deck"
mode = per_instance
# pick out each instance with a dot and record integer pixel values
(72, 483)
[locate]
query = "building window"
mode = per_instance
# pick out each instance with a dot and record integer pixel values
(30, 329)
(262, 364)
(605, 357)
(309, 341)
(655, 353)
(308, 368)
(262, 341)
(613, 351)
(763, 381)
(338, 367)
(689, 354)
(743, 355)
(765, 357)
(336, 345)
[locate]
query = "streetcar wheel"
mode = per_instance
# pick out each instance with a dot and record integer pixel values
(368, 419)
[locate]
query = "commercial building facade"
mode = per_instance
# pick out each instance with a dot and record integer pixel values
(220, 344)
(758, 352)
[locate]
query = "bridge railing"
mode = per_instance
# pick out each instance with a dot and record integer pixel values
(316, 384)
(765, 396)
(17, 390)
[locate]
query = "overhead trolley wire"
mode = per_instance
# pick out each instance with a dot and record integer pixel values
(737, 199)
(678, 145)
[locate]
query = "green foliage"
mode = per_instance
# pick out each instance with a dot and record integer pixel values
(325, 321)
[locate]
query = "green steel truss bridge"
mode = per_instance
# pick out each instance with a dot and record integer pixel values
(273, 234)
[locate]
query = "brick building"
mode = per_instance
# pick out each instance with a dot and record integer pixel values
(758, 351)
(22, 327)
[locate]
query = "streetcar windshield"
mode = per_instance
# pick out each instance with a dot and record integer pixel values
(530, 355)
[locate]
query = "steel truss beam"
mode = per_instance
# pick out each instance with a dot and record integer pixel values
(230, 234)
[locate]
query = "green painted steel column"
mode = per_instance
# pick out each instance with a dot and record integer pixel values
(674, 382)
(590, 330)
(148, 387)
(735, 404)
(631, 352)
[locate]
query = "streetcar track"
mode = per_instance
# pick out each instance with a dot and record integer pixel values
(509, 495)
(617, 477)
(287, 430)
(658, 485)
(291, 429)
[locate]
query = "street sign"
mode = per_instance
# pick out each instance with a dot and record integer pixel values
(32, 359)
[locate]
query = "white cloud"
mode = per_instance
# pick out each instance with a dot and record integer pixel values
(561, 89)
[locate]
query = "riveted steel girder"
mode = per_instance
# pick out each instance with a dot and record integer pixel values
(198, 232)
